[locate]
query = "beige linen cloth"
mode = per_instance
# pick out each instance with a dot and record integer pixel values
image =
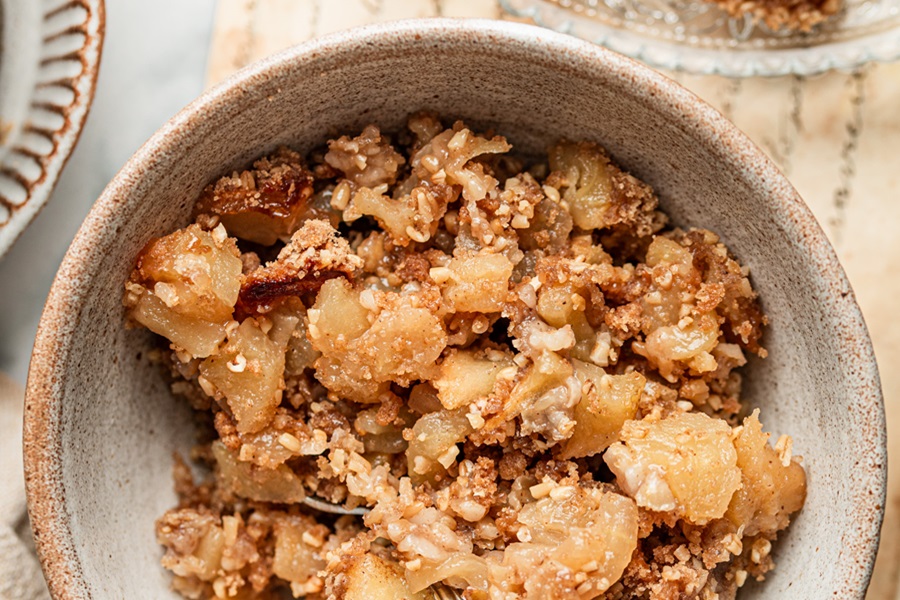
(20, 573)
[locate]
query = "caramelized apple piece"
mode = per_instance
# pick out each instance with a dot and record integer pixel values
(575, 530)
(467, 375)
(298, 556)
(684, 463)
(247, 370)
(478, 282)
(262, 204)
(608, 402)
(374, 578)
(774, 487)
(184, 287)
(247, 480)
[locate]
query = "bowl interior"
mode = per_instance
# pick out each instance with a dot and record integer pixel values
(102, 424)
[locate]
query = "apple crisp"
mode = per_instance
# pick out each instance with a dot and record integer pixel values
(524, 379)
(790, 15)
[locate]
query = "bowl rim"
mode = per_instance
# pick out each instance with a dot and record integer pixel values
(44, 395)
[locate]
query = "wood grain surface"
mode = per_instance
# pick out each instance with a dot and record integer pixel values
(836, 136)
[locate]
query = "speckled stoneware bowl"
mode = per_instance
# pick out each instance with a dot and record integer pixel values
(101, 424)
(49, 58)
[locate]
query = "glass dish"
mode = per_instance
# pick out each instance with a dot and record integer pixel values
(697, 36)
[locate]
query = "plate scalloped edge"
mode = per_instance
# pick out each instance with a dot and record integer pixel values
(71, 43)
(844, 55)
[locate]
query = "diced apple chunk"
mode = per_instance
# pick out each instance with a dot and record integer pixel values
(774, 487)
(300, 353)
(194, 543)
(198, 337)
(373, 578)
(588, 532)
(688, 344)
(684, 463)
(543, 397)
(247, 370)
(460, 567)
(559, 305)
(398, 217)
(202, 272)
(403, 344)
(610, 401)
(250, 481)
(184, 287)
(337, 317)
(285, 319)
(467, 375)
(296, 559)
(586, 169)
(432, 448)
(340, 377)
(663, 250)
(478, 283)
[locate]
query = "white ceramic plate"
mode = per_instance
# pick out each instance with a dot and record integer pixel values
(698, 37)
(49, 56)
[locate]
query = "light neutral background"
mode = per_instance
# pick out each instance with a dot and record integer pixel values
(837, 136)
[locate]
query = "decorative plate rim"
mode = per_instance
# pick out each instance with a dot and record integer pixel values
(883, 46)
(30, 166)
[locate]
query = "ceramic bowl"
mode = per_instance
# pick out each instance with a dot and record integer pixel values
(101, 424)
(49, 58)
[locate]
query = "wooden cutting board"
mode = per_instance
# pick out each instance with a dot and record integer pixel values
(836, 136)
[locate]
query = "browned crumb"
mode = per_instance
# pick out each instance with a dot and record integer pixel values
(315, 254)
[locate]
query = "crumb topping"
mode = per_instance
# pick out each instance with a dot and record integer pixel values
(527, 378)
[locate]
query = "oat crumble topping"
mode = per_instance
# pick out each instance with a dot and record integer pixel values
(528, 378)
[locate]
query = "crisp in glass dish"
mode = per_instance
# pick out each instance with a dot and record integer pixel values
(699, 36)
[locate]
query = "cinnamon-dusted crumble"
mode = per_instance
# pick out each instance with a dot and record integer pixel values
(525, 376)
